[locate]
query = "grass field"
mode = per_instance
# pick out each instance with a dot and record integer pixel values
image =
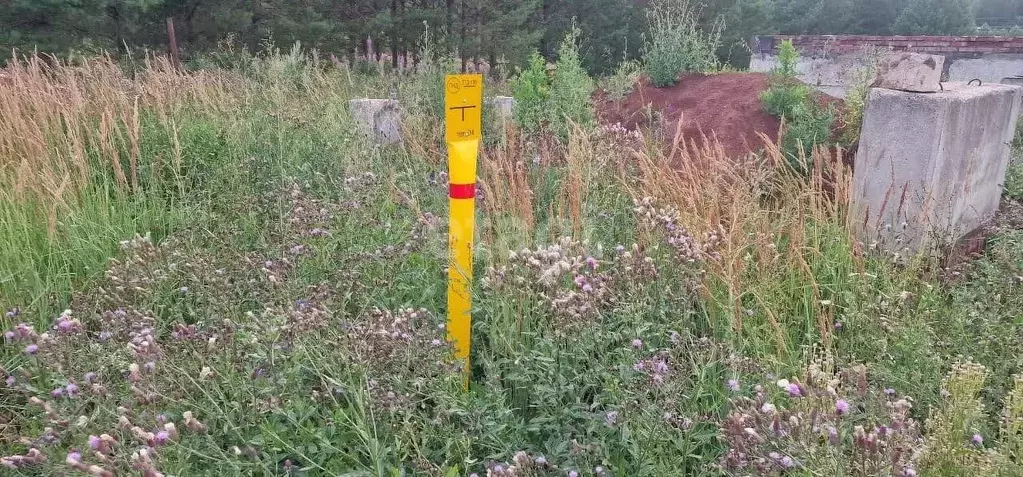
(212, 273)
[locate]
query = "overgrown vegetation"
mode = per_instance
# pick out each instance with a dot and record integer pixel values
(677, 43)
(554, 101)
(807, 122)
(251, 288)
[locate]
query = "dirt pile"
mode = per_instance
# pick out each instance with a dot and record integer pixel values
(726, 106)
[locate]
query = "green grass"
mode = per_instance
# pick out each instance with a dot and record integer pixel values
(295, 346)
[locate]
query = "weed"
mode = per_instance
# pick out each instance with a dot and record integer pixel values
(676, 43)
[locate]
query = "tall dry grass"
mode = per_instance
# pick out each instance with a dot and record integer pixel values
(770, 223)
(62, 122)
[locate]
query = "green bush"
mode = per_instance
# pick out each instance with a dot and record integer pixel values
(624, 79)
(807, 122)
(676, 43)
(554, 101)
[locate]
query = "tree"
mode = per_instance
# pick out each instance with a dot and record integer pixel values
(935, 17)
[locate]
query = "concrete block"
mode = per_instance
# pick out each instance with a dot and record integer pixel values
(378, 119)
(930, 167)
(906, 71)
(502, 105)
(1015, 81)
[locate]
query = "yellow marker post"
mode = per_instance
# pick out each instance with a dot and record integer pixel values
(463, 104)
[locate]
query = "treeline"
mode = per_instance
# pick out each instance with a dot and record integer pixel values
(495, 31)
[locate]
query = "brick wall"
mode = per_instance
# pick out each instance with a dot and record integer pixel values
(946, 45)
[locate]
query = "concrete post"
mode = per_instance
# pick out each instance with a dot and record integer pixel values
(378, 119)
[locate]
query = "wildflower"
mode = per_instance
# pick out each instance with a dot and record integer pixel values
(90, 377)
(832, 435)
(105, 335)
(768, 408)
(637, 343)
(541, 460)
(661, 367)
(611, 418)
(10, 381)
(889, 391)
(794, 390)
(838, 325)
(73, 458)
(71, 389)
(591, 262)
(977, 439)
(909, 472)
(56, 393)
(842, 407)
(620, 248)
(498, 468)
(162, 437)
(598, 470)
(587, 288)
(9, 336)
(787, 462)
(150, 366)
(573, 474)
(184, 289)
(733, 385)
(31, 349)
(94, 442)
(639, 367)
(658, 379)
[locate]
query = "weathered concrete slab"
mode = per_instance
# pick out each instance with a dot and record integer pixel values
(378, 119)
(907, 71)
(930, 167)
(502, 105)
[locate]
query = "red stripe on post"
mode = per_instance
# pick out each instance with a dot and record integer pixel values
(462, 191)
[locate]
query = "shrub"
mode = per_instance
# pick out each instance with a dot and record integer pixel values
(624, 79)
(808, 122)
(532, 93)
(677, 44)
(553, 102)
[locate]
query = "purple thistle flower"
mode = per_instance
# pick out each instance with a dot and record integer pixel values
(611, 418)
(65, 326)
(541, 460)
(639, 367)
(573, 474)
(838, 325)
(94, 442)
(74, 456)
(32, 349)
(977, 439)
(620, 248)
(9, 335)
(71, 389)
(787, 462)
(658, 379)
(56, 393)
(661, 367)
(162, 437)
(90, 377)
(733, 385)
(10, 381)
(794, 390)
(592, 262)
(842, 406)
(587, 288)
(909, 472)
(498, 468)
(833, 436)
(105, 335)
(637, 343)
(889, 391)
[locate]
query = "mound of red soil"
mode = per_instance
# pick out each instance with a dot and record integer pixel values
(724, 106)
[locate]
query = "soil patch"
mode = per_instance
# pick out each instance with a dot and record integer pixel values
(725, 106)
